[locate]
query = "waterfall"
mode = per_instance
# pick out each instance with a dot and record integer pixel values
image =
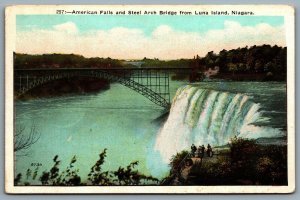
(203, 116)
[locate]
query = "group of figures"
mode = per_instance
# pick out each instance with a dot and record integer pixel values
(200, 151)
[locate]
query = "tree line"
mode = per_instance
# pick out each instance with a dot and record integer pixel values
(25, 61)
(254, 59)
(269, 61)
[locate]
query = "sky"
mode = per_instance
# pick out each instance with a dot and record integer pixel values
(136, 37)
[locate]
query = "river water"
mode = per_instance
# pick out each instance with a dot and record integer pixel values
(121, 120)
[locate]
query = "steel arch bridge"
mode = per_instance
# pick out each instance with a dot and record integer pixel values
(153, 83)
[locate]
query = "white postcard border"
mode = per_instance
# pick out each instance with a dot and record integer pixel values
(265, 10)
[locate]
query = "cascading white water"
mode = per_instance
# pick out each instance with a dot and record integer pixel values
(203, 116)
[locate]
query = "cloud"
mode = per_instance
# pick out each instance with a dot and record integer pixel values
(164, 42)
(68, 27)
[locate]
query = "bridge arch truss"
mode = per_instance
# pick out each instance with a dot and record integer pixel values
(149, 82)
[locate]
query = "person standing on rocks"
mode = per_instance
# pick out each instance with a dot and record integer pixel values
(193, 150)
(202, 151)
(209, 151)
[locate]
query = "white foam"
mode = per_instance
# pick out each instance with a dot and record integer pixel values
(202, 116)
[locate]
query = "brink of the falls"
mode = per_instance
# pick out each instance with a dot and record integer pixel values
(203, 116)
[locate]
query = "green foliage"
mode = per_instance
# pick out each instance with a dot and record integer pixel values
(256, 59)
(180, 63)
(24, 61)
(34, 175)
(212, 173)
(45, 178)
(244, 154)
(69, 177)
(176, 160)
(96, 176)
(245, 163)
(18, 178)
(272, 165)
(241, 149)
(263, 165)
(129, 176)
(28, 173)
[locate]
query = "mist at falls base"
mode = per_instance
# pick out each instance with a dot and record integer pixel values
(204, 116)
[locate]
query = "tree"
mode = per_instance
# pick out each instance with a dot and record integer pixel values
(69, 177)
(258, 66)
(268, 67)
(232, 68)
(97, 176)
(23, 140)
(128, 175)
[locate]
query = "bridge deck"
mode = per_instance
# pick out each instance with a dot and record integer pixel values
(109, 69)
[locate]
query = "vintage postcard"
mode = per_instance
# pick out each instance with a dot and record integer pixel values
(150, 99)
